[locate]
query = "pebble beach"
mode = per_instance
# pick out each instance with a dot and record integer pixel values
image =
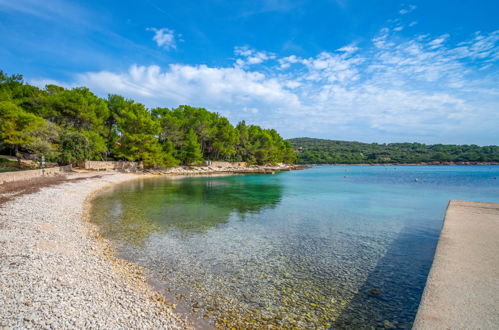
(57, 272)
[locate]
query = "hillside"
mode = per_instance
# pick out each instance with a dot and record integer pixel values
(321, 151)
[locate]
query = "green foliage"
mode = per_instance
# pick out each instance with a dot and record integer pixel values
(137, 133)
(319, 151)
(77, 108)
(218, 139)
(263, 146)
(191, 151)
(44, 141)
(74, 147)
(11, 87)
(18, 128)
(72, 125)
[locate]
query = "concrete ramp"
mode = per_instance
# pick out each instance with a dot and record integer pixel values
(462, 290)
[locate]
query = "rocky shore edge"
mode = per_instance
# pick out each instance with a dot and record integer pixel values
(204, 170)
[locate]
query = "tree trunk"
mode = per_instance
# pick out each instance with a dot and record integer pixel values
(18, 156)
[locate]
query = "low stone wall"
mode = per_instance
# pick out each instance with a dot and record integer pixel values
(31, 174)
(121, 166)
(225, 164)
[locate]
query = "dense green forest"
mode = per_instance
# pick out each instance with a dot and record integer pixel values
(319, 151)
(68, 126)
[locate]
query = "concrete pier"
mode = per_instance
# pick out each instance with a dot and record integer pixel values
(462, 290)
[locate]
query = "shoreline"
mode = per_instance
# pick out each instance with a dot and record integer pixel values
(58, 272)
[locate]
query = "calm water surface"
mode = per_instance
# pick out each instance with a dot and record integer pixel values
(331, 246)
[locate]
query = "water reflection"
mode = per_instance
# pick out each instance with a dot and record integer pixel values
(133, 210)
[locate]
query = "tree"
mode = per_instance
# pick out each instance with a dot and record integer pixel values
(225, 140)
(115, 104)
(74, 147)
(44, 141)
(138, 134)
(191, 153)
(171, 134)
(79, 110)
(17, 127)
(243, 144)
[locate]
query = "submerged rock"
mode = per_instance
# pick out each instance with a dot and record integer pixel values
(388, 325)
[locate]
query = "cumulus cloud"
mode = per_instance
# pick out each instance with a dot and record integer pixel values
(423, 88)
(219, 89)
(164, 38)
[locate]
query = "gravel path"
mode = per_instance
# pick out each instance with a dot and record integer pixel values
(56, 272)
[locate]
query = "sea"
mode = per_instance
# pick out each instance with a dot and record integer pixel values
(329, 247)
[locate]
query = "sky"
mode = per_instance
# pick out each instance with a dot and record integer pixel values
(359, 70)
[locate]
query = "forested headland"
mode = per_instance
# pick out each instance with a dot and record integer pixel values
(321, 151)
(68, 126)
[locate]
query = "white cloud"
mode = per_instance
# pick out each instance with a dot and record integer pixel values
(481, 47)
(421, 88)
(407, 9)
(436, 43)
(251, 57)
(164, 38)
(348, 49)
(286, 62)
(201, 85)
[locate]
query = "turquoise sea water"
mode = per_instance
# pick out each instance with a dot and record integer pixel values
(330, 246)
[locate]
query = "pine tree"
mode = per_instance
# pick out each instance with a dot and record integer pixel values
(191, 154)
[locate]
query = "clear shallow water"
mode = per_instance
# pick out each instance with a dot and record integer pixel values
(341, 246)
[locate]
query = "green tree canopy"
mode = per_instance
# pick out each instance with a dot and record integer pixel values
(191, 151)
(18, 127)
(72, 125)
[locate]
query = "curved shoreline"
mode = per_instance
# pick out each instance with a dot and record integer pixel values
(56, 271)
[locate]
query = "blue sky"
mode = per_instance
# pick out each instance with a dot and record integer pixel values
(370, 70)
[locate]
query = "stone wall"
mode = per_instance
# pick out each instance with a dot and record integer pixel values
(31, 174)
(121, 166)
(225, 164)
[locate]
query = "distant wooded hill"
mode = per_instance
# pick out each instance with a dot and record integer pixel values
(320, 151)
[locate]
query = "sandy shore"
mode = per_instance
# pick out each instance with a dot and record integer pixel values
(56, 272)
